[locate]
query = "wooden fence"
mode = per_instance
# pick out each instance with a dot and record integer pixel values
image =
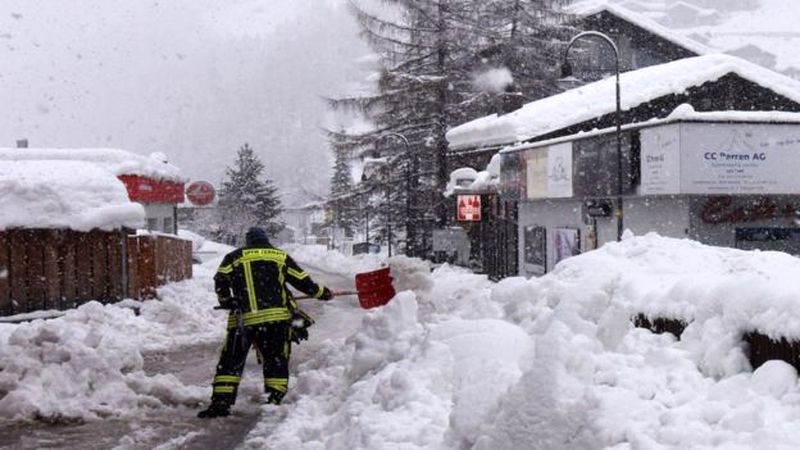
(154, 260)
(61, 269)
(759, 347)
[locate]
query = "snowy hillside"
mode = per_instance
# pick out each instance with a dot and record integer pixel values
(454, 361)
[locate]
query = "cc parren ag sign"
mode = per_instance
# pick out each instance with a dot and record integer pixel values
(721, 158)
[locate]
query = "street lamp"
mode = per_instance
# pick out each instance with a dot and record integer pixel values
(566, 72)
(388, 186)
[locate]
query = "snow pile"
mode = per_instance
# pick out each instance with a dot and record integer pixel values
(555, 362)
(46, 194)
(457, 361)
(88, 364)
(467, 179)
(119, 162)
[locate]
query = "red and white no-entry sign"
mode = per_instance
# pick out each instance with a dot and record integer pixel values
(469, 208)
(200, 193)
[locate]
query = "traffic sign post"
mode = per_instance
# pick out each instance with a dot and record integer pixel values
(200, 193)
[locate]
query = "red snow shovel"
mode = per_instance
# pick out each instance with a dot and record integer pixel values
(373, 288)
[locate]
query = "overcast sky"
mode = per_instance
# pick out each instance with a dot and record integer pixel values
(194, 79)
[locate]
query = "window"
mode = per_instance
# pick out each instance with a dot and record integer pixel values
(168, 226)
(152, 224)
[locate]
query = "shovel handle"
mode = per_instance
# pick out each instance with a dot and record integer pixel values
(335, 294)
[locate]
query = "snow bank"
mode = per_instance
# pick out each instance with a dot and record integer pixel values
(88, 364)
(456, 361)
(47, 194)
(555, 362)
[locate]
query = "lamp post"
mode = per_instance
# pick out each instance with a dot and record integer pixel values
(388, 186)
(566, 71)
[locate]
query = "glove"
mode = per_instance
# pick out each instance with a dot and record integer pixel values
(299, 334)
(300, 323)
(326, 294)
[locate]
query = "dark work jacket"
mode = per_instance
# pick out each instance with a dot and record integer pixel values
(255, 276)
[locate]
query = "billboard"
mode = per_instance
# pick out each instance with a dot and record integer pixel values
(721, 158)
(548, 171)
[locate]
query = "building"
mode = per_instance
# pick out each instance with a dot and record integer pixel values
(641, 42)
(67, 236)
(150, 180)
(559, 160)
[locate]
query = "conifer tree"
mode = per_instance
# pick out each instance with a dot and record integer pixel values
(343, 201)
(431, 51)
(246, 199)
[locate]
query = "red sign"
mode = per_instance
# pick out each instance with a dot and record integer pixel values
(200, 193)
(722, 210)
(148, 190)
(469, 208)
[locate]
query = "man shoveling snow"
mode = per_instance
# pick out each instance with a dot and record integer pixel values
(250, 282)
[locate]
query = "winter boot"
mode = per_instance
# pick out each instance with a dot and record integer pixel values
(216, 409)
(274, 397)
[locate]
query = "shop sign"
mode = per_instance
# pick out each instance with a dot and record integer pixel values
(661, 160)
(740, 159)
(721, 158)
(469, 208)
(717, 210)
(148, 190)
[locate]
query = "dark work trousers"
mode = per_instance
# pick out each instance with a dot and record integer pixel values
(272, 340)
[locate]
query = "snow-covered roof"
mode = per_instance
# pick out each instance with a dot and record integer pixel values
(683, 113)
(64, 194)
(769, 26)
(119, 162)
(772, 28)
(597, 99)
(590, 7)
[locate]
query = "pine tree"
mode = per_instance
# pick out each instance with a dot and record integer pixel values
(431, 52)
(343, 201)
(246, 199)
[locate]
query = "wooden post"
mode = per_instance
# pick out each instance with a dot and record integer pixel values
(68, 270)
(132, 260)
(114, 242)
(35, 269)
(83, 266)
(18, 259)
(5, 275)
(99, 266)
(147, 267)
(52, 285)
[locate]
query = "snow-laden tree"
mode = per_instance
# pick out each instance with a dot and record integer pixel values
(433, 54)
(343, 201)
(247, 199)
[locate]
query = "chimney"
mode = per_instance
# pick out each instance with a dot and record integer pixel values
(22, 143)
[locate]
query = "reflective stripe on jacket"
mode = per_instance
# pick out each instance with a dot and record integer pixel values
(256, 277)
